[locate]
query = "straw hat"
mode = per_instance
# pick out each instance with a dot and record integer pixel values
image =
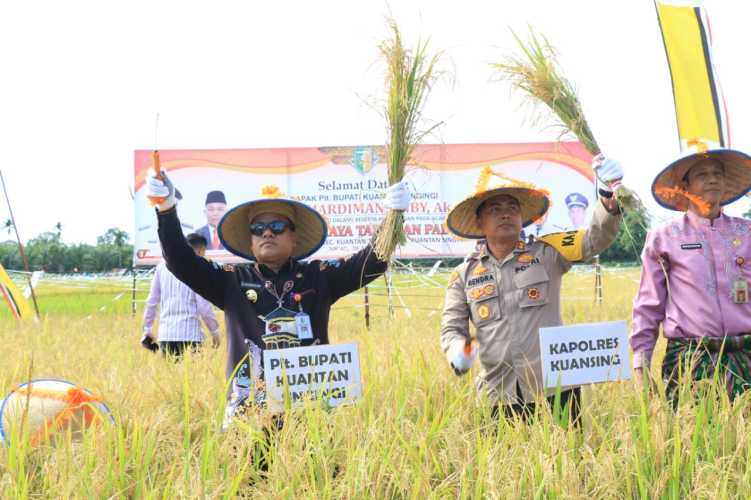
(667, 187)
(310, 228)
(534, 203)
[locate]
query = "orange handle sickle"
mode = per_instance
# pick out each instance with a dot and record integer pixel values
(156, 200)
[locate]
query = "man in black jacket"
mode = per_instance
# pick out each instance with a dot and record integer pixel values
(276, 301)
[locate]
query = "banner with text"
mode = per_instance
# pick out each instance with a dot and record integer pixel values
(328, 372)
(584, 354)
(346, 185)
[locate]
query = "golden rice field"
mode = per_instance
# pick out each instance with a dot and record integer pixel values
(419, 432)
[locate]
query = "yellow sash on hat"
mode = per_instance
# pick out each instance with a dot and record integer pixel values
(570, 244)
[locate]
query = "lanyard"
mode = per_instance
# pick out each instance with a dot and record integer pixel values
(268, 285)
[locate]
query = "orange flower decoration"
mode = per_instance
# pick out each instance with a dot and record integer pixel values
(271, 191)
(674, 193)
(701, 146)
(533, 293)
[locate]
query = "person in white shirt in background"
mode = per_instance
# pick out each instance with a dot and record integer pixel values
(181, 309)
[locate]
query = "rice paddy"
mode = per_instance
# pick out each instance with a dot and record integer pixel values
(419, 431)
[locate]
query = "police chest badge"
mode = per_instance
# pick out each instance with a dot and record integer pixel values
(483, 311)
(525, 258)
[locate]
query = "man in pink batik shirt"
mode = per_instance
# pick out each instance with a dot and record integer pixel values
(696, 272)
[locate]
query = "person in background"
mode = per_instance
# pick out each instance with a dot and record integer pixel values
(179, 309)
(695, 275)
(577, 205)
(216, 206)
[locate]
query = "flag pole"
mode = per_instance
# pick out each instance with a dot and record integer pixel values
(20, 245)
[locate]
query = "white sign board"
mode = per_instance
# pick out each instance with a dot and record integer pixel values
(584, 354)
(328, 372)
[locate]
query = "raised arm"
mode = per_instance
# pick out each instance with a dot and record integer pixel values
(606, 217)
(348, 274)
(602, 229)
(203, 277)
(351, 273)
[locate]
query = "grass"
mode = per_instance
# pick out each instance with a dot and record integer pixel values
(419, 431)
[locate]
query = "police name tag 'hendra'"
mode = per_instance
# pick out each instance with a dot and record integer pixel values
(330, 373)
(584, 354)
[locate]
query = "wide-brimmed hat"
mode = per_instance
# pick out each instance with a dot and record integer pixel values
(668, 190)
(310, 227)
(533, 201)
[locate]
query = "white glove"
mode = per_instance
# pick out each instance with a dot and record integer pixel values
(398, 196)
(462, 362)
(609, 172)
(160, 188)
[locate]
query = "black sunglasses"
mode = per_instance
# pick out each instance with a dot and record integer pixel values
(276, 226)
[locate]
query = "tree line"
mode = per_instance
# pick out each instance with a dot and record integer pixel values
(114, 251)
(47, 252)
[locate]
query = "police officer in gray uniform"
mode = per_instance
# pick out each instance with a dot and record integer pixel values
(509, 289)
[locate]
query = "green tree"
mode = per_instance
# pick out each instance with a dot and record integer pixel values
(46, 252)
(113, 250)
(748, 213)
(10, 258)
(630, 240)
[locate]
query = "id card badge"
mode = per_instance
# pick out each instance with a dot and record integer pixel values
(302, 323)
(740, 291)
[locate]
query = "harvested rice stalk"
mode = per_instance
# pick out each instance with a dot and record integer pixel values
(409, 78)
(536, 73)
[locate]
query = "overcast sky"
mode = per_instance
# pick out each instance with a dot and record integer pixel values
(82, 82)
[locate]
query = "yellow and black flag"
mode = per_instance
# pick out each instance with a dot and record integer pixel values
(699, 106)
(18, 305)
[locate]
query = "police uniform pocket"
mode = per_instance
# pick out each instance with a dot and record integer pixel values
(483, 302)
(533, 285)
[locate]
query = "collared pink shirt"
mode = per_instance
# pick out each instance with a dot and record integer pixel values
(689, 267)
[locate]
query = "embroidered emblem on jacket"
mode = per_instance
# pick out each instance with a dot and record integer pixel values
(525, 258)
(484, 291)
(483, 311)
